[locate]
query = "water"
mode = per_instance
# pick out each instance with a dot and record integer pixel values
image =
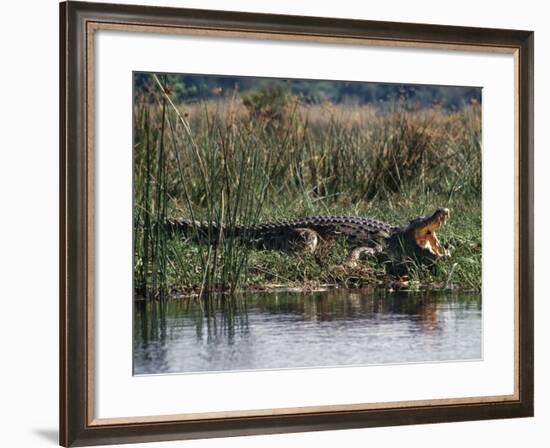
(293, 330)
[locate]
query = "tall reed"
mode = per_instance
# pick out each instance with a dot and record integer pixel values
(219, 177)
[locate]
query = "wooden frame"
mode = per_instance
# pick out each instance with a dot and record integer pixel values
(78, 22)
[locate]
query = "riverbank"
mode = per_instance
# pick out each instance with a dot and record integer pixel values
(268, 270)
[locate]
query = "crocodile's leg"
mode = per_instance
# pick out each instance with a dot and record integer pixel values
(306, 240)
(356, 254)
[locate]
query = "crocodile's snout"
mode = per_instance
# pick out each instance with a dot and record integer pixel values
(425, 232)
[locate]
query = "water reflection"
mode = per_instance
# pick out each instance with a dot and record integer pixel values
(290, 330)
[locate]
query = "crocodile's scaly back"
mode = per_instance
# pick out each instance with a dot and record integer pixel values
(356, 230)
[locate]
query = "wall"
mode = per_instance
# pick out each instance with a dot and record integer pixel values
(28, 224)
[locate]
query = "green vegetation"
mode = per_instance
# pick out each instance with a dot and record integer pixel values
(266, 154)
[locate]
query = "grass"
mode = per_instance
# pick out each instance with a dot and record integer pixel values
(255, 159)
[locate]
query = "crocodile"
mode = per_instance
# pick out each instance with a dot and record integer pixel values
(416, 240)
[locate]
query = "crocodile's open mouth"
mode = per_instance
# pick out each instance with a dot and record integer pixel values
(425, 235)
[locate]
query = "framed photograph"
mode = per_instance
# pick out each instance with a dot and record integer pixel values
(277, 224)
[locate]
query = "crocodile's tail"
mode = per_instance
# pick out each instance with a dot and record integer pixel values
(205, 231)
(273, 235)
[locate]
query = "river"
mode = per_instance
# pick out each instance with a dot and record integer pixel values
(278, 330)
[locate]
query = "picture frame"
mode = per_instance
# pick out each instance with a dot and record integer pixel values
(79, 22)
